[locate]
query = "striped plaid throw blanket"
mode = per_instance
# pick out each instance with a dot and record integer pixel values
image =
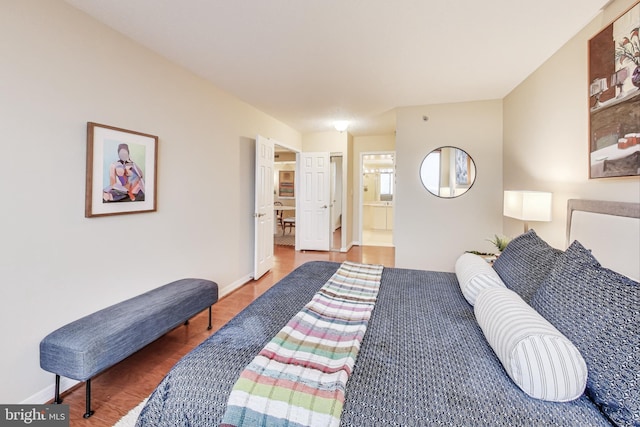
(299, 378)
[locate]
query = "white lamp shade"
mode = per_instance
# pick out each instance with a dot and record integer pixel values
(527, 205)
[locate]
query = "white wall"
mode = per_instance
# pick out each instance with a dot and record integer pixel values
(328, 142)
(546, 134)
(60, 69)
(431, 232)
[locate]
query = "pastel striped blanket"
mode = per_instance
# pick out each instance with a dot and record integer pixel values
(299, 378)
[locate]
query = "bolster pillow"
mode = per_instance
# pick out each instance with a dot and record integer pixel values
(474, 275)
(537, 357)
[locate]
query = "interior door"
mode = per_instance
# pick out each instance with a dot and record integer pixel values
(314, 218)
(263, 208)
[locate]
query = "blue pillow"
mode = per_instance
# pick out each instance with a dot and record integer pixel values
(599, 311)
(525, 263)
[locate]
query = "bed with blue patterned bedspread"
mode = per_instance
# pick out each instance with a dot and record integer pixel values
(424, 361)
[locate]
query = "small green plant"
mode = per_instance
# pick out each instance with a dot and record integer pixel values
(500, 242)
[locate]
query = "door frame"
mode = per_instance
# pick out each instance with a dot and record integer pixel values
(296, 189)
(343, 201)
(361, 188)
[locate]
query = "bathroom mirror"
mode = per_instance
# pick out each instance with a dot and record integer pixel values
(448, 172)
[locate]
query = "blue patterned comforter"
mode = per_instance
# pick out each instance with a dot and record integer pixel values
(424, 361)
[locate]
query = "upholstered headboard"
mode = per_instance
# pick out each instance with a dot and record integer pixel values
(611, 230)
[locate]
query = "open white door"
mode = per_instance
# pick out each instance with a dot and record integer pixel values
(263, 208)
(314, 218)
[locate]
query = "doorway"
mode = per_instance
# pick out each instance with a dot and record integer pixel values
(284, 196)
(377, 190)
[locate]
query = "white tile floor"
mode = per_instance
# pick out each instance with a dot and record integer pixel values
(377, 238)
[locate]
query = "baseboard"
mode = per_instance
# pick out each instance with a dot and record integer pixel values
(349, 246)
(47, 394)
(226, 290)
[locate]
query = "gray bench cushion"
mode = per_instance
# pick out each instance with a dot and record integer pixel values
(87, 346)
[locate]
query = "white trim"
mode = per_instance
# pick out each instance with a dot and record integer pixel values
(226, 290)
(344, 200)
(48, 393)
(348, 248)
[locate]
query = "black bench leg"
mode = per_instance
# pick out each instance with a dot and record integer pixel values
(210, 325)
(57, 399)
(88, 412)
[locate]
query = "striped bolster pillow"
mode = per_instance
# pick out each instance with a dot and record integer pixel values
(537, 357)
(474, 275)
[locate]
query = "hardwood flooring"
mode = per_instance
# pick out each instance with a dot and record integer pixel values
(120, 388)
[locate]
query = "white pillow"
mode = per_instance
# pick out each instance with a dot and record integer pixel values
(475, 274)
(537, 357)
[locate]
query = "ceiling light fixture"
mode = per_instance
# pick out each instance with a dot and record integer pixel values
(341, 125)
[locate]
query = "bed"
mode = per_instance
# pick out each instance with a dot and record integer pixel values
(425, 360)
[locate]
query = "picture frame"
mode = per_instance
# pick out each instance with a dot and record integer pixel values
(121, 171)
(286, 184)
(463, 165)
(614, 98)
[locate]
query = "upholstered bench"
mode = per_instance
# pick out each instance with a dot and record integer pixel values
(84, 348)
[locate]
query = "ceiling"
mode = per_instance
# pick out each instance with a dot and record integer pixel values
(310, 62)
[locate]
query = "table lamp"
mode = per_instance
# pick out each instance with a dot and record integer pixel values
(527, 206)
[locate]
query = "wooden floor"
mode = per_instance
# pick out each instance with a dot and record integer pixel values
(120, 388)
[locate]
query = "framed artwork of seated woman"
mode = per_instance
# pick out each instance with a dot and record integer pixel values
(121, 171)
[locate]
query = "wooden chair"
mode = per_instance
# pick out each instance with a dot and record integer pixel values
(279, 215)
(288, 222)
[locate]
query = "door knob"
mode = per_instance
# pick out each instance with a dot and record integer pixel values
(324, 207)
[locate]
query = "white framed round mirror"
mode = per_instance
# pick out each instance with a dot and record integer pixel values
(448, 172)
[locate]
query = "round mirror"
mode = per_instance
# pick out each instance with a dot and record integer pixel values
(448, 172)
